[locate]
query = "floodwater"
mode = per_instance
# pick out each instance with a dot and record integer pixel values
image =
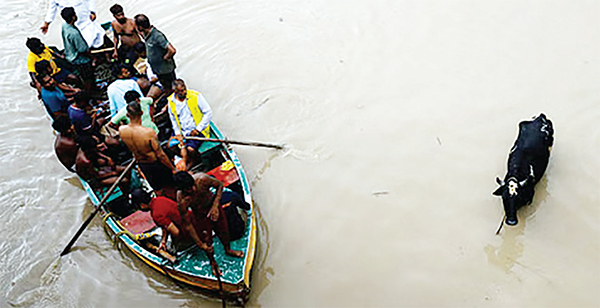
(398, 115)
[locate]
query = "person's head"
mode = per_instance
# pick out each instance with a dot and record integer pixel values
(46, 81)
(180, 88)
(68, 14)
(140, 49)
(132, 96)
(122, 71)
(43, 67)
(82, 99)
(118, 14)
(140, 198)
(184, 182)
(142, 23)
(87, 144)
(63, 125)
(134, 111)
(35, 45)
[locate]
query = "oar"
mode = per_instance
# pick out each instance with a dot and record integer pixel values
(255, 144)
(87, 222)
(213, 263)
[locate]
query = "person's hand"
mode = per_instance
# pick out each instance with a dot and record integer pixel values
(44, 27)
(162, 246)
(207, 248)
(194, 133)
(179, 137)
(213, 214)
(93, 16)
(115, 54)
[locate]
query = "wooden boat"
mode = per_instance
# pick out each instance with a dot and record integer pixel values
(138, 233)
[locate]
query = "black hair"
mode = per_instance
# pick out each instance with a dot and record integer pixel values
(116, 9)
(68, 14)
(86, 143)
(82, 97)
(183, 180)
(139, 196)
(142, 21)
(131, 96)
(178, 82)
(35, 45)
(40, 77)
(41, 67)
(134, 109)
(62, 124)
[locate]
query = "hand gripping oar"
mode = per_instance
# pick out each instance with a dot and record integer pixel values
(227, 141)
(93, 214)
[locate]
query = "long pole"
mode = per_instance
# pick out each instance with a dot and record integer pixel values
(255, 144)
(93, 214)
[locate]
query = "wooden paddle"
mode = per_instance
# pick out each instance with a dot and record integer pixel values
(255, 144)
(213, 263)
(93, 214)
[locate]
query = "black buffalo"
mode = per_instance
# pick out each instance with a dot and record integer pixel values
(527, 163)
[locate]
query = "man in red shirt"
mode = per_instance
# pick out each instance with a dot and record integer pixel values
(165, 214)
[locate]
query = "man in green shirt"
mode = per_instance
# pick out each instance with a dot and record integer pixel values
(160, 52)
(77, 52)
(145, 104)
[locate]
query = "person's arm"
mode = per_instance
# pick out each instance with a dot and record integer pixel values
(170, 229)
(91, 4)
(114, 25)
(160, 154)
(50, 14)
(213, 214)
(206, 111)
(176, 130)
(120, 116)
(170, 52)
(183, 202)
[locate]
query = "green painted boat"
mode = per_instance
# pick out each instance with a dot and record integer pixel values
(191, 267)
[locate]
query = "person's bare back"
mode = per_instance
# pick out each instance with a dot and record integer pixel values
(141, 141)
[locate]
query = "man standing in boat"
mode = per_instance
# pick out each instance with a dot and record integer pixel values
(125, 33)
(143, 143)
(196, 193)
(77, 52)
(160, 51)
(190, 115)
(92, 32)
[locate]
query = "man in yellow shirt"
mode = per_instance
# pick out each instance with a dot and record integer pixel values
(39, 52)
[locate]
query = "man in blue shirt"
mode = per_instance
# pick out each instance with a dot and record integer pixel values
(54, 99)
(77, 52)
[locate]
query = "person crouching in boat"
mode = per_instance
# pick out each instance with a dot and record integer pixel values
(166, 215)
(190, 115)
(194, 192)
(143, 143)
(96, 168)
(65, 146)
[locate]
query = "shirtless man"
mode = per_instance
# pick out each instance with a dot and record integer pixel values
(143, 143)
(194, 192)
(125, 32)
(65, 146)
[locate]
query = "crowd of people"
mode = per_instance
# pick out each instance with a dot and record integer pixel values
(98, 129)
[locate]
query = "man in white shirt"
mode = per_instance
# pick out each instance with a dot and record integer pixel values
(116, 90)
(190, 115)
(92, 31)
